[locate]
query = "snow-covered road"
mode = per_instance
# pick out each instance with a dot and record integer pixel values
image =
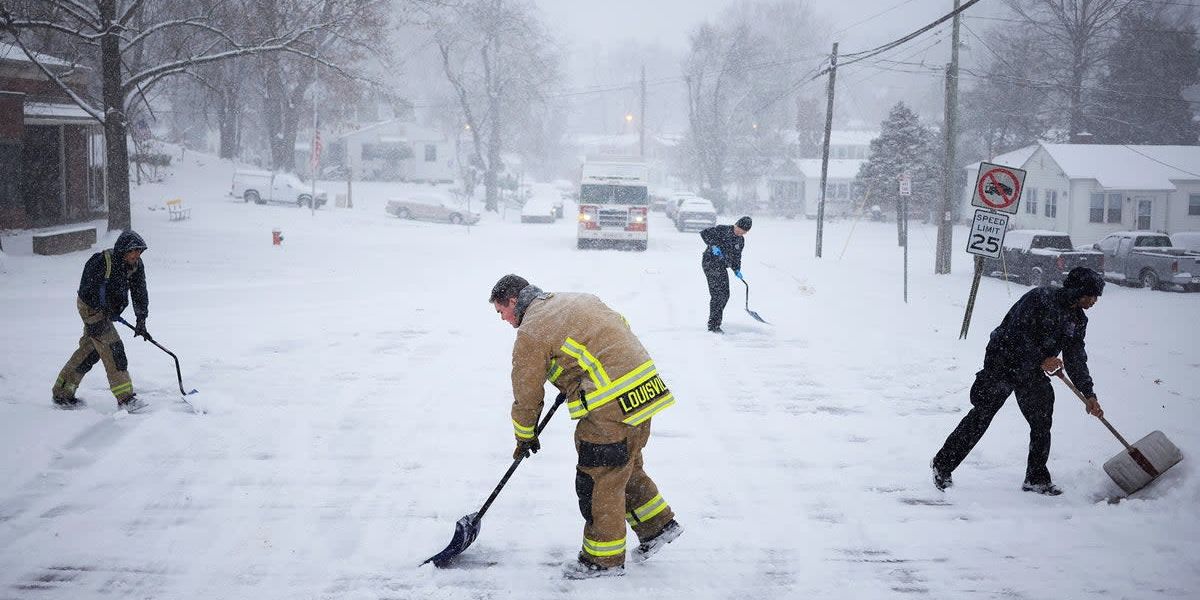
(356, 382)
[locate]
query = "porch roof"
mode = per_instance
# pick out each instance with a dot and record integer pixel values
(53, 113)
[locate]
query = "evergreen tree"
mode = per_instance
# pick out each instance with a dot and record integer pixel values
(904, 145)
(1140, 99)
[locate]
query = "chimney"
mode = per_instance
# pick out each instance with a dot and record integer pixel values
(1082, 137)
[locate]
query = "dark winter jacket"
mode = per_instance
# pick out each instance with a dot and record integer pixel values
(108, 280)
(1040, 325)
(731, 246)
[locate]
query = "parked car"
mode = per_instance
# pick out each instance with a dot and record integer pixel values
(1145, 259)
(672, 205)
(261, 187)
(430, 208)
(1188, 240)
(695, 213)
(658, 202)
(539, 209)
(1039, 257)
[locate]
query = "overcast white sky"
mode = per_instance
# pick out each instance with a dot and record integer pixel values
(593, 31)
(586, 23)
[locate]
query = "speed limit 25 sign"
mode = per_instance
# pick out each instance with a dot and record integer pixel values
(987, 233)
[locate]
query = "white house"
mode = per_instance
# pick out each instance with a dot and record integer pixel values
(1090, 190)
(399, 149)
(840, 197)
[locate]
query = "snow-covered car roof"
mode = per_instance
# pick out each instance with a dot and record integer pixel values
(694, 203)
(1187, 239)
(538, 205)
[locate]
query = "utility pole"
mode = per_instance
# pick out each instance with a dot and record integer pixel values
(825, 147)
(950, 132)
(642, 118)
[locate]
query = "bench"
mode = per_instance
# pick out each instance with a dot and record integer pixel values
(63, 241)
(176, 211)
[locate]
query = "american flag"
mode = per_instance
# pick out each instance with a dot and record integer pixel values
(315, 160)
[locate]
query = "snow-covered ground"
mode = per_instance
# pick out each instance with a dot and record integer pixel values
(356, 382)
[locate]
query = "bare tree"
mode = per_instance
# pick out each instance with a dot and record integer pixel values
(352, 30)
(1074, 32)
(116, 34)
(743, 78)
(500, 61)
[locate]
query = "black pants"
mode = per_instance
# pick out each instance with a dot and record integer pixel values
(992, 387)
(718, 290)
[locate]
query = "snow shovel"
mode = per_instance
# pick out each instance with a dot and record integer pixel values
(1143, 461)
(467, 528)
(752, 313)
(178, 374)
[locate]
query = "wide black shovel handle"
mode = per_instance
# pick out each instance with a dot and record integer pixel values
(1137, 455)
(467, 528)
(178, 373)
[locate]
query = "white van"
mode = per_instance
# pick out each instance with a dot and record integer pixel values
(261, 187)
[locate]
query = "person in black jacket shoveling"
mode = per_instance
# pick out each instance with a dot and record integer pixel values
(109, 279)
(1044, 322)
(722, 250)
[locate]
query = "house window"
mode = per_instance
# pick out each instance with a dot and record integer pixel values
(1194, 205)
(1105, 208)
(430, 153)
(1031, 202)
(1051, 203)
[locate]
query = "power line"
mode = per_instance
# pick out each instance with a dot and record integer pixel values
(1027, 21)
(859, 56)
(878, 14)
(1131, 148)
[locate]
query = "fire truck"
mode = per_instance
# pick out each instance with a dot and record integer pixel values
(614, 206)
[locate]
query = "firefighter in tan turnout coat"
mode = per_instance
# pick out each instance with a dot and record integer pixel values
(587, 351)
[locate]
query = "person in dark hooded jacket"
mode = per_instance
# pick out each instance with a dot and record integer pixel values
(723, 246)
(1020, 352)
(109, 279)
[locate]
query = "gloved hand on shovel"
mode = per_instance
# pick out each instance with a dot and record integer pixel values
(1052, 366)
(139, 329)
(526, 447)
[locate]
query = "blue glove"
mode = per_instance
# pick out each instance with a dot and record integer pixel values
(738, 274)
(716, 251)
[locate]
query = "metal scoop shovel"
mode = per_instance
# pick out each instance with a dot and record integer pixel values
(467, 528)
(1143, 461)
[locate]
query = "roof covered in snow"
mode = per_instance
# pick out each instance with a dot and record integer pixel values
(1115, 166)
(1016, 159)
(839, 168)
(1128, 167)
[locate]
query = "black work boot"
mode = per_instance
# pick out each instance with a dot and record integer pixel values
(1045, 489)
(941, 479)
(68, 402)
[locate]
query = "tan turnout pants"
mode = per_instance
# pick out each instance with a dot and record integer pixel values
(99, 343)
(614, 489)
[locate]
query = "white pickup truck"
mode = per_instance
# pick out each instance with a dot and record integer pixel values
(261, 187)
(1146, 259)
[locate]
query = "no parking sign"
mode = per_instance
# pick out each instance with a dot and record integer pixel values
(998, 188)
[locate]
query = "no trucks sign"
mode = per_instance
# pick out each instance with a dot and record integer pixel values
(998, 188)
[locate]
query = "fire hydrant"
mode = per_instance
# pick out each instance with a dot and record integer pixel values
(276, 237)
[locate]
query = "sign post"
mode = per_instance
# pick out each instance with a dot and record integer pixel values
(997, 193)
(905, 192)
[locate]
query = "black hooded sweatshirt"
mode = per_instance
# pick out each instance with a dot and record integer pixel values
(1040, 325)
(731, 245)
(108, 281)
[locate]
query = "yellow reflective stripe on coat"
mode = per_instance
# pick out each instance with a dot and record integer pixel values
(646, 511)
(107, 264)
(554, 371)
(640, 392)
(595, 548)
(523, 432)
(587, 362)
